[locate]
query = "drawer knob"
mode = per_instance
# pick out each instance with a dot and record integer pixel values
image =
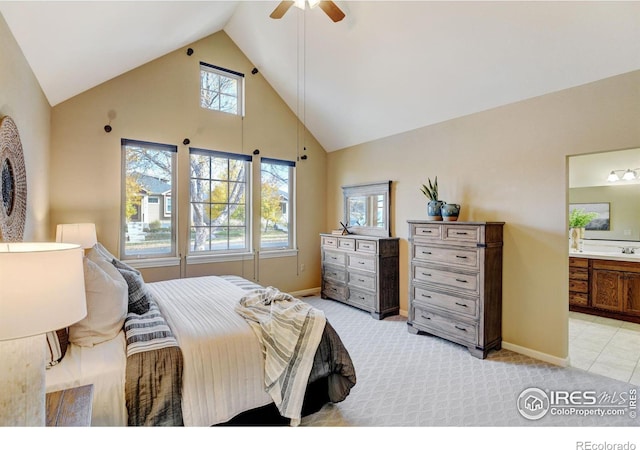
(461, 233)
(461, 257)
(424, 252)
(361, 280)
(425, 317)
(461, 328)
(426, 274)
(461, 304)
(461, 281)
(425, 296)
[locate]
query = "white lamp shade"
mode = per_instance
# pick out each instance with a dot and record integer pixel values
(41, 288)
(83, 234)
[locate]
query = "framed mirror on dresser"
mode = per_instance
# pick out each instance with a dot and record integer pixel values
(361, 268)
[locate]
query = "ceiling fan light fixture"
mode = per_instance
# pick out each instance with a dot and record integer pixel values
(313, 3)
(299, 4)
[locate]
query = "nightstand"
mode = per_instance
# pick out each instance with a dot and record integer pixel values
(70, 407)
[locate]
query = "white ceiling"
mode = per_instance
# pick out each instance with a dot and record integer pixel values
(388, 67)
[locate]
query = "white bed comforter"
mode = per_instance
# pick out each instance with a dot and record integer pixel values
(223, 363)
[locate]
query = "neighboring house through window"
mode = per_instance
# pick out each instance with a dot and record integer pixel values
(276, 198)
(148, 171)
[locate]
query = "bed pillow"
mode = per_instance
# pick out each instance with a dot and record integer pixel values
(57, 342)
(98, 250)
(138, 294)
(107, 295)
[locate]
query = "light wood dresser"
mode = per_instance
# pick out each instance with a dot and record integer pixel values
(362, 271)
(455, 282)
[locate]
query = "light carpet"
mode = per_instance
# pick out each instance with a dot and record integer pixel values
(409, 380)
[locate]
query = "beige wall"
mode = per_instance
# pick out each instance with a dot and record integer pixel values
(159, 102)
(507, 164)
(21, 98)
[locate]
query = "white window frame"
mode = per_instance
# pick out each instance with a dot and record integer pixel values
(157, 257)
(222, 72)
(291, 248)
(205, 256)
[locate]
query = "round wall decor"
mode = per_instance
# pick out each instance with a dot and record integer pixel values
(13, 183)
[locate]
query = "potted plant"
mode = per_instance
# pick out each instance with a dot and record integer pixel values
(578, 220)
(435, 204)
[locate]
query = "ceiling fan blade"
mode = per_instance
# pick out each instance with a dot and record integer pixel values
(281, 9)
(332, 10)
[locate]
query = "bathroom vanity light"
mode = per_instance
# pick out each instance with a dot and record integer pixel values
(628, 175)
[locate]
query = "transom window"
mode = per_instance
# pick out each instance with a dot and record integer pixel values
(220, 202)
(221, 89)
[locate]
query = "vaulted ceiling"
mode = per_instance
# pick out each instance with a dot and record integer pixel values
(388, 67)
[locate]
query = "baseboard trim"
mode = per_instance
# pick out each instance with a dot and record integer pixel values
(306, 292)
(562, 362)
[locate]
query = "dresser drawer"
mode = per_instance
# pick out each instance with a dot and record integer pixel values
(426, 231)
(361, 262)
(578, 286)
(346, 244)
(365, 300)
(460, 281)
(578, 262)
(334, 273)
(329, 241)
(366, 246)
(429, 298)
(465, 234)
(457, 257)
(337, 258)
(459, 330)
(334, 291)
(579, 298)
(362, 281)
(578, 273)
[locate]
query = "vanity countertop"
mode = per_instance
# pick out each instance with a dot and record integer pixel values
(615, 256)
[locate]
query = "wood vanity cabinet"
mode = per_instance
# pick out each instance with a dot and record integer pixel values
(612, 288)
(362, 271)
(578, 281)
(455, 282)
(615, 286)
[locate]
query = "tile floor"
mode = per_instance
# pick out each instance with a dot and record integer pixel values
(605, 346)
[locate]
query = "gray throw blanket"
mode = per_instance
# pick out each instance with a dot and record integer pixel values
(153, 385)
(289, 331)
(331, 361)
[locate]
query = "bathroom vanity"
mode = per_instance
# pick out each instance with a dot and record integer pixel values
(605, 284)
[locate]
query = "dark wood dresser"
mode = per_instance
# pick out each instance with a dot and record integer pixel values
(455, 282)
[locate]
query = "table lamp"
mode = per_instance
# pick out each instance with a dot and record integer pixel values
(41, 290)
(83, 234)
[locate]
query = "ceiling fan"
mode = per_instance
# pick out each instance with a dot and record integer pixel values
(330, 8)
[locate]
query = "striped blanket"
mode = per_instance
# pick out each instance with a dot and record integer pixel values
(154, 370)
(289, 332)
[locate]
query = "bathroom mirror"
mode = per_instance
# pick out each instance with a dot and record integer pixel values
(367, 207)
(588, 184)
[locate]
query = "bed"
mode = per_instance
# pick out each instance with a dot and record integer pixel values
(200, 363)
